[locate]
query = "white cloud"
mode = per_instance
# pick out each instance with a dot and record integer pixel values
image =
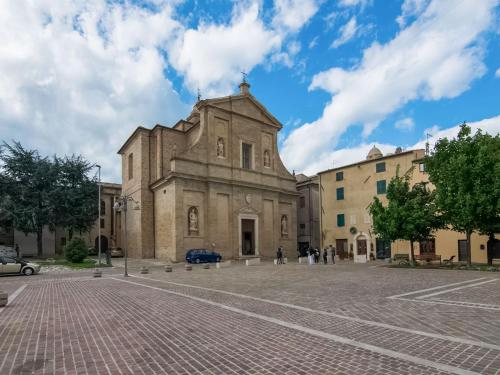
(212, 56)
(409, 9)
(436, 57)
(405, 124)
(497, 74)
(351, 3)
(313, 43)
(354, 154)
(489, 125)
(292, 15)
(79, 76)
(347, 32)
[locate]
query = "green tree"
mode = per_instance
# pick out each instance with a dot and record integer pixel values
(26, 182)
(37, 191)
(74, 197)
(466, 174)
(76, 250)
(410, 214)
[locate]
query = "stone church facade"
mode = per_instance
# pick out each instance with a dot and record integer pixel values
(213, 181)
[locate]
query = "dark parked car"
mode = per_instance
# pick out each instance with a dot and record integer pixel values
(202, 256)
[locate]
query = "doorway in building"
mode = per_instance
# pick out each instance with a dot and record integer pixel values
(342, 251)
(247, 237)
(361, 246)
(462, 250)
(383, 249)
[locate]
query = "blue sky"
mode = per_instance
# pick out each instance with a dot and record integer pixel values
(79, 76)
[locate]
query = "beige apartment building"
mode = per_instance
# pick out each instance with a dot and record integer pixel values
(214, 181)
(345, 194)
(308, 230)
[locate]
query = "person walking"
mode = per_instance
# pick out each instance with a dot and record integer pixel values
(325, 256)
(310, 257)
(332, 251)
(279, 255)
(316, 255)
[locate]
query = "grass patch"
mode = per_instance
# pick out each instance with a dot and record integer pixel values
(87, 263)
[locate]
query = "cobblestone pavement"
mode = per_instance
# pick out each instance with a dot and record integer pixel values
(266, 319)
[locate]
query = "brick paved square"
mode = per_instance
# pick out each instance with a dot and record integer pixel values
(266, 319)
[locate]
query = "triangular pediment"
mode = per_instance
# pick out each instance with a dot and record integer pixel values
(246, 105)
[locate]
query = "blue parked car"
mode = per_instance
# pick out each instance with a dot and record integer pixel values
(202, 256)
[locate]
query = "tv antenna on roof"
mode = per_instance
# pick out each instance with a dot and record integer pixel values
(244, 74)
(199, 94)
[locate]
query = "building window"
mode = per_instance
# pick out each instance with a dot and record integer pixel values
(381, 187)
(102, 223)
(246, 156)
(421, 167)
(302, 202)
(130, 166)
(340, 194)
(103, 208)
(428, 246)
(339, 176)
(340, 220)
(302, 229)
(63, 241)
(380, 167)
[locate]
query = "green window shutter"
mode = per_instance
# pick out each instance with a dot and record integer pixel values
(381, 187)
(340, 194)
(340, 220)
(339, 176)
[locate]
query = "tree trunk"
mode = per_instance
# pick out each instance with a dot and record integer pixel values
(412, 253)
(468, 247)
(39, 240)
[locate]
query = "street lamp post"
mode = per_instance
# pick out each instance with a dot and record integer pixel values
(122, 204)
(99, 210)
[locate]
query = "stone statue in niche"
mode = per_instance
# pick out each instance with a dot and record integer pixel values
(267, 159)
(284, 226)
(221, 152)
(193, 226)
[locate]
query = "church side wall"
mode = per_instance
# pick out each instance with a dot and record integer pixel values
(164, 210)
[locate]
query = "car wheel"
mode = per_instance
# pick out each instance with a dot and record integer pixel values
(197, 260)
(28, 271)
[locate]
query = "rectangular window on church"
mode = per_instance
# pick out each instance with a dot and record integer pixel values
(246, 156)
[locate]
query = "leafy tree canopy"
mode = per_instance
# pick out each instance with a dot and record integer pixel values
(36, 191)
